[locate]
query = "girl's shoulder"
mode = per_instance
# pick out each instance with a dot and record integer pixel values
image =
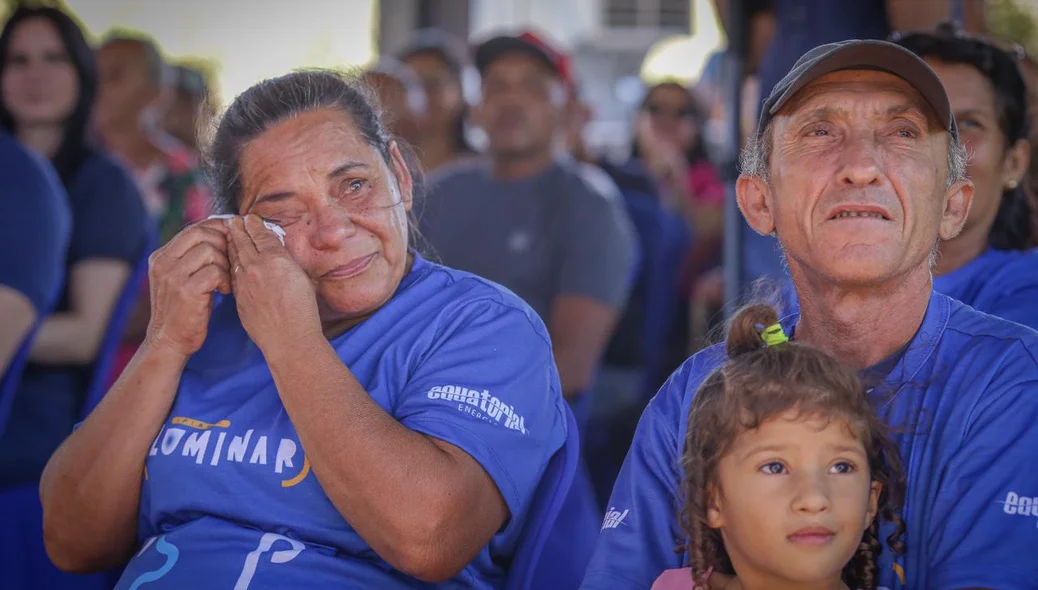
(681, 579)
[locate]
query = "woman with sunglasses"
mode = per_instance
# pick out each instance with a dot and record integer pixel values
(990, 265)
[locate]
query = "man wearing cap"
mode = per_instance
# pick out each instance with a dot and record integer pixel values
(858, 169)
(527, 218)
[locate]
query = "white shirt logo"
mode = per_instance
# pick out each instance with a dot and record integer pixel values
(480, 404)
(614, 518)
(1018, 505)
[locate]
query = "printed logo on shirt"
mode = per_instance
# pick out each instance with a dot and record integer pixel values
(614, 518)
(1017, 505)
(200, 441)
(480, 404)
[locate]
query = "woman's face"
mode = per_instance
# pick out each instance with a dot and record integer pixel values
(671, 113)
(39, 84)
(992, 166)
(442, 90)
(342, 206)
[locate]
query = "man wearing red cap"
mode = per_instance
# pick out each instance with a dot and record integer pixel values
(527, 218)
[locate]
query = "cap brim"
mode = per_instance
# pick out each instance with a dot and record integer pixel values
(489, 51)
(877, 55)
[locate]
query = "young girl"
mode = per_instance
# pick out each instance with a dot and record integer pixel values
(786, 469)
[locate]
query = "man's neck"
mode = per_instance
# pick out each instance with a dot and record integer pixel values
(954, 254)
(42, 139)
(864, 325)
(515, 168)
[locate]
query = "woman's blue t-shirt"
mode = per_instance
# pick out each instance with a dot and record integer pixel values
(229, 500)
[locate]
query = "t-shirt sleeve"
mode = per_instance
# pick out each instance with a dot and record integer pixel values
(598, 249)
(489, 386)
(640, 531)
(983, 530)
(34, 230)
(108, 217)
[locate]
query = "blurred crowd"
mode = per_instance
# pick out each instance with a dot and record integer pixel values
(621, 258)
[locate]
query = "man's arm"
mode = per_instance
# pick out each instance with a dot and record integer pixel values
(18, 316)
(594, 281)
(983, 530)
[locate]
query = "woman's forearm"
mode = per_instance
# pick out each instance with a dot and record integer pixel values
(66, 339)
(91, 486)
(419, 507)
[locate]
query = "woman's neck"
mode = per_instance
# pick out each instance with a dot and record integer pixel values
(954, 254)
(42, 139)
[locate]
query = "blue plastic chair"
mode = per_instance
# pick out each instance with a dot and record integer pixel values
(113, 335)
(548, 503)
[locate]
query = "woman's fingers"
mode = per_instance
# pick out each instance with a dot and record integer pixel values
(201, 255)
(210, 278)
(246, 248)
(210, 230)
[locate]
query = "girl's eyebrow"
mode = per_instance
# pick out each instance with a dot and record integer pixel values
(758, 449)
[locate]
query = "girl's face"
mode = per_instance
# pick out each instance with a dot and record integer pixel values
(792, 501)
(671, 113)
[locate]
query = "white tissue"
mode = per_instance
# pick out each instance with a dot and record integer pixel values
(277, 229)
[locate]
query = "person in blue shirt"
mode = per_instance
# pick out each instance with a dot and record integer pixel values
(49, 79)
(34, 238)
(990, 266)
(858, 168)
(354, 416)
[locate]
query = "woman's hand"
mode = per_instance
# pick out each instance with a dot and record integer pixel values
(276, 299)
(183, 275)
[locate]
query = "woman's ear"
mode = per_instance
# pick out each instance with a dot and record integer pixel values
(402, 174)
(1016, 162)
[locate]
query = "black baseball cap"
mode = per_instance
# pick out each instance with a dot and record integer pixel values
(861, 55)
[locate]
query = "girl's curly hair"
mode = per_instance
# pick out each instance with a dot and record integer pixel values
(761, 382)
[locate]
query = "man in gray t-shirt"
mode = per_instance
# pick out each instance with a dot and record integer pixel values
(531, 220)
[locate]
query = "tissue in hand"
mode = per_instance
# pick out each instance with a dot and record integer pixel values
(277, 229)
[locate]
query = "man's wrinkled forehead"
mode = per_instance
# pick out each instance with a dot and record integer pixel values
(839, 92)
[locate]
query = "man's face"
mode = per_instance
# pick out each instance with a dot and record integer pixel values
(857, 191)
(522, 105)
(125, 90)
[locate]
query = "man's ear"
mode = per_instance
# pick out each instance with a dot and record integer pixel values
(754, 198)
(957, 202)
(402, 174)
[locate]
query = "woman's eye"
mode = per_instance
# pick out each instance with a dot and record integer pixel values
(842, 467)
(355, 185)
(773, 468)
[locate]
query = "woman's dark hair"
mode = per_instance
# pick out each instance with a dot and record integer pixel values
(696, 152)
(1011, 229)
(75, 147)
(278, 99)
(761, 382)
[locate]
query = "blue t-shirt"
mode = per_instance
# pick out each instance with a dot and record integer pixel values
(964, 399)
(229, 499)
(34, 230)
(108, 222)
(1002, 283)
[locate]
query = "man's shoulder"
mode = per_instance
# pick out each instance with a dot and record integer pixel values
(461, 173)
(999, 353)
(675, 396)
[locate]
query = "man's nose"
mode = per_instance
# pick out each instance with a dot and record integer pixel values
(860, 167)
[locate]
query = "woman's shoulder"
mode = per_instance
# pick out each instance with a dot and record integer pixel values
(102, 171)
(458, 293)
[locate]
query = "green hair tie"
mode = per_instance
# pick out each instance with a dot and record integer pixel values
(774, 335)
